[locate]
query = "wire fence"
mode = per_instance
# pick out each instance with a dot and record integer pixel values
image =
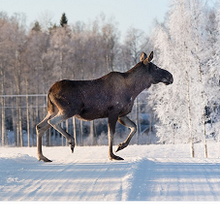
(19, 115)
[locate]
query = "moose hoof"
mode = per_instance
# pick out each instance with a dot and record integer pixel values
(43, 158)
(72, 149)
(114, 157)
(121, 146)
(72, 146)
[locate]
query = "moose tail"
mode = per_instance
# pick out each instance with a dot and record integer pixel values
(50, 105)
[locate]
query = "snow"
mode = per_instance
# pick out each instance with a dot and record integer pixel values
(148, 173)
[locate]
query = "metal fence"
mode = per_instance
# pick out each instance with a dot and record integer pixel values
(21, 113)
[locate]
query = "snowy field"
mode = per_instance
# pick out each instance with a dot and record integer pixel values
(148, 173)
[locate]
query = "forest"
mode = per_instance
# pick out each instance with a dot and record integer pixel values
(186, 43)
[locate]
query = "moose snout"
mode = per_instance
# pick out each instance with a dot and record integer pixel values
(171, 79)
(168, 79)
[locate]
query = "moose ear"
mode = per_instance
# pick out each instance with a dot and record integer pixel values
(149, 58)
(143, 56)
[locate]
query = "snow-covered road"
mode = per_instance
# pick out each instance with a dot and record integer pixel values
(153, 172)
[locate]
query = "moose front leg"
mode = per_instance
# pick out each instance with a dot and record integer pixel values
(111, 130)
(130, 124)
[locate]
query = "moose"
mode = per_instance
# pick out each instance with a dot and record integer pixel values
(111, 96)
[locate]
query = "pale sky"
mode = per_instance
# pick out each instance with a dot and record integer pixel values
(139, 14)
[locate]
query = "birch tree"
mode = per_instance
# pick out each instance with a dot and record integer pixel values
(181, 43)
(212, 79)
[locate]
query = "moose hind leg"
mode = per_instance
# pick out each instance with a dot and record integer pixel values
(55, 123)
(40, 129)
(130, 124)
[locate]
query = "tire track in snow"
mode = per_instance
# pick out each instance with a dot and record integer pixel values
(172, 179)
(88, 181)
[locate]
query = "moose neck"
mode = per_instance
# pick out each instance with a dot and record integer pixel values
(138, 79)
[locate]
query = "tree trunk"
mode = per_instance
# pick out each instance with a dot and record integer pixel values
(203, 107)
(190, 115)
(190, 122)
(67, 129)
(3, 127)
(28, 119)
(74, 131)
(137, 120)
(93, 133)
(81, 133)
(3, 117)
(14, 120)
(19, 123)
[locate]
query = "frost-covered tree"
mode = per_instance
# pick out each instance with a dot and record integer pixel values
(181, 44)
(213, 77)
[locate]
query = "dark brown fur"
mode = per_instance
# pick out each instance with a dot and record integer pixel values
(111, 96)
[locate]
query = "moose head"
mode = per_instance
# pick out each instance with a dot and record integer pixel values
(157, 74)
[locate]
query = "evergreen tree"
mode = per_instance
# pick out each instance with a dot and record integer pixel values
(63, 20)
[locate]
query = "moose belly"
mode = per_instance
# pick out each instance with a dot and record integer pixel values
(91, 114)
(126, 109)
(103, 111)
